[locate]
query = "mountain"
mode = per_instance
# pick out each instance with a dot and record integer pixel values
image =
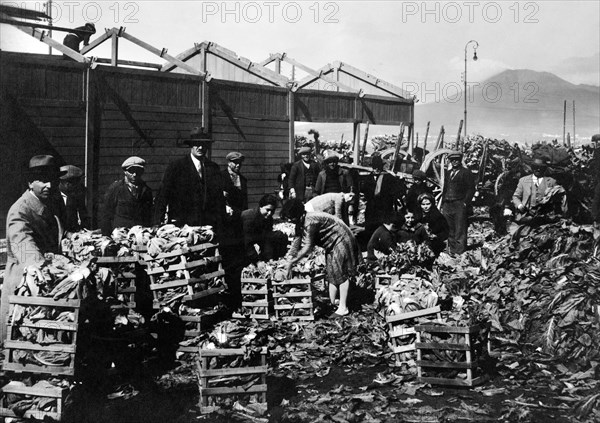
(519, 105)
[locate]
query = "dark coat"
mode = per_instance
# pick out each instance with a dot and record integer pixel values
(122, 209)
(437, 225)
(296, 179)
(459, 188)
(256, 230)
(344, 179)
(382, 240)
(412, 195)
(75, 212)
(384, 202)
(190, 200)
(235, 198)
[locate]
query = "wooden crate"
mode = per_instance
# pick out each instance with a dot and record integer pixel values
(384, 280)
(66, 331)
(256, 303)
(467, 344)
(298, 305)
(190, 270)
(60, 394)
(402, 332)
(126, 270)
(212, 371)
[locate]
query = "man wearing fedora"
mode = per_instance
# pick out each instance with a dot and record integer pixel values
(72, 194)
(535, 190)
(128, 201)
(191, 191)
(457, 194)
(32, 229)
(303, 176)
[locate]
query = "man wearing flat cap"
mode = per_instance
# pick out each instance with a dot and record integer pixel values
(32, 229)
(191, 191)
(80, 34)
(303, 176)
(128, 201)
(333, 178)
(72, 195)
(457, 194)
(535, 190)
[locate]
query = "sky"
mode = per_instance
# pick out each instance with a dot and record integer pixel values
(411, 44)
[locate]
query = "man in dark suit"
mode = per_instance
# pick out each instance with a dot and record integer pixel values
(191, 191)
(333, 178)
(382, 192)
(72, 194)
(457, 193)
(235, 185)
(303, 176)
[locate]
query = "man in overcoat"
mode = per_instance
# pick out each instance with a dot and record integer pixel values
(457, 194)
(32, 229)
(191, 191)
(303, 176)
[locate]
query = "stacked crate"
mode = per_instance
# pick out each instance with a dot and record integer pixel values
(126, 271)
(52, 328)
(451, 355)
(231, 373)
(256, 303)
(401, 330)
(293, 299)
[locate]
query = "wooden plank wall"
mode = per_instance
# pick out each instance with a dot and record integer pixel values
(254, 121)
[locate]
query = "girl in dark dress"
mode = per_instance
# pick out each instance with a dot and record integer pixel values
(435, 223)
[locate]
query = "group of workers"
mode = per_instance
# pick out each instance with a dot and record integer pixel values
(195, 191)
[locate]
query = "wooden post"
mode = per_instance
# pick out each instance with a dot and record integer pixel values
(278, 65)
(459, 142)
(564, 122)
(205, 104)
(425, 140)
(93, 120)
(356, 143)
(574, 136)
(417, 141)
(440, 141)
(364, 146)
(409, 139)
(397, 151)
(114, 59)
(568, 140)
(292, 117)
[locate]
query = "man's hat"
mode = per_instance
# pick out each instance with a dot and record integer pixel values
(304, 150)
(455, 155)
(539, 163)
(332, 157)
(71, 172)
(419, 174)
(44, 165)
(133, 161)
(198, 136)
(90, 27)
(235, 155)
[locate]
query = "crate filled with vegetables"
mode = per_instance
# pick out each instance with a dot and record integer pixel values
(42, 400)
(293, 298)
(230, 375)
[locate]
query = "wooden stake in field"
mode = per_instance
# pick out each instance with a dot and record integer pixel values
(459, 142)
(397, 151)
(364, 146)
(425, 140)
(574, 136)
(564, 122)
(440, 141)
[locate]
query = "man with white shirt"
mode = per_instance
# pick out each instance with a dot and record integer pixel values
(191, 191)
(532, 190)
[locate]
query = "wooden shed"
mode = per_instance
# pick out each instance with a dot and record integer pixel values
(94, 115)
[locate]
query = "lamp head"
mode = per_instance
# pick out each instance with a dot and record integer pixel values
(475, 55)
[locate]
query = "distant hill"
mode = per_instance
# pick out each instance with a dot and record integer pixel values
(518, 105)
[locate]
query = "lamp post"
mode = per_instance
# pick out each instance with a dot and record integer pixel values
(465, 81)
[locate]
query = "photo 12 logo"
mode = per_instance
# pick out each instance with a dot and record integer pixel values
(74, 12)
(269, 11)
(489, 92)
(470, 11)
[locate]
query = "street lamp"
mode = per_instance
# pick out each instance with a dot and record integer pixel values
(465, 91)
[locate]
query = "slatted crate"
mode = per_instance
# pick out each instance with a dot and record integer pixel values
(191, 271)
(65, 334)
(401, 329)
(297, 304)
(214, 374)
(256, 303)
(454, 352)
(126, 271)
(31, 392)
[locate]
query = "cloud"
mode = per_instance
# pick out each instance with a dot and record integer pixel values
(479, 70)
(579, 70)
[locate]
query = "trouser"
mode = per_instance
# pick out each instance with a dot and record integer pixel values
(455, 213)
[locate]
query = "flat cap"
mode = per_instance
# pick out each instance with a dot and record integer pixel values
(455, 155)
(133, 161)
(304, 150)
(419, 174)
(235, 155)
(71, 172)
(332, 158)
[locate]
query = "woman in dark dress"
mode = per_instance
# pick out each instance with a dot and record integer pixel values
(342, 254)
(260, 241)
(435, 223)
